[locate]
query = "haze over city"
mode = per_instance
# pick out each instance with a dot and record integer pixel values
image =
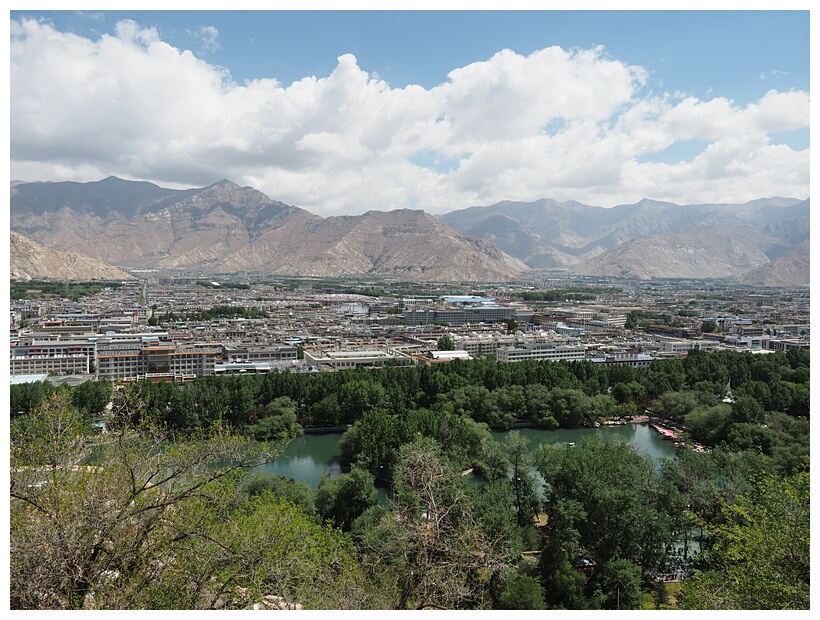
(345, 112)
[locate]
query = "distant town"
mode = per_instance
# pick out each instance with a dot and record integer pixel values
(177, 326)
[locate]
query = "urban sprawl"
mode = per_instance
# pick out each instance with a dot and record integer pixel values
(167, 326)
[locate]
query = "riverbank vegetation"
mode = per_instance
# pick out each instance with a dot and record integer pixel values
(158, 512)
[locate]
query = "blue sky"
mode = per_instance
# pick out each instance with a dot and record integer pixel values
(388, 109)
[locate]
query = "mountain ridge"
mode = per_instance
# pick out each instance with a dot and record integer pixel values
(225, 227)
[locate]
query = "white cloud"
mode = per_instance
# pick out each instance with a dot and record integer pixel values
(558, 124)
(209, 36)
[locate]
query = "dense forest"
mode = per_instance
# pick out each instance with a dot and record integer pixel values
(159, 512)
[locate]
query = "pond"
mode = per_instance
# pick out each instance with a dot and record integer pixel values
(307, 457)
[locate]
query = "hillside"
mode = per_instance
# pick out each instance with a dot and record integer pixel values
(30, 260)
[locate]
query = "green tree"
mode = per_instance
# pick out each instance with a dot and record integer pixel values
(281, 486)
(276, 420)
(521, 592)
(609, 486)
(446, 343)
(617, 585)
(522, 482)
(101, 519)
(431, 551)
(92, 397)
(761, 555)
(24, 398)
(344, 497)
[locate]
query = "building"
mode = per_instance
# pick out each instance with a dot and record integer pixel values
(636, 360)
(438, 357)
(253, 353)
(139, 359)
(343, 360)
(541, 351)
(52, 356)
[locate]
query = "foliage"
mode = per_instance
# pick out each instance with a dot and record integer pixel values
(42, 289)
(445, 343)
(617, 585)
(761, 555)
(276, 420)
(292, 490)
(26, 397)
(607, 487)
(563, 294)
(527, 502)
(345, 497)
(430, 550)
(521, 591)
(95, 519)
(92, 397)
(216, 312)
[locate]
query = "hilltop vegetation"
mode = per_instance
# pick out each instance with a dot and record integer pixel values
(442, 542)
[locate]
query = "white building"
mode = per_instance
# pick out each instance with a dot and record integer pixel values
(541, 351)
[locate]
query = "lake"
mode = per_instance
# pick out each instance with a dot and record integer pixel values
(307, 457)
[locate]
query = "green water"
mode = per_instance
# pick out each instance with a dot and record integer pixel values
(641, 436)
(307, 457)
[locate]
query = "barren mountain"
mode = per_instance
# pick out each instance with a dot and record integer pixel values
(226, 228)
(551, 234)
(696, 252)
(791, 269)
(31, 261)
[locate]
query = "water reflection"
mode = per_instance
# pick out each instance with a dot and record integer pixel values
(307, 457)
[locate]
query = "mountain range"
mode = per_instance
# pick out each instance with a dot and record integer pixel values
(227, 228)
(649, 239)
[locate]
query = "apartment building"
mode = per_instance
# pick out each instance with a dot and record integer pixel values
(138, 359)
(541, 351)
(51, 356)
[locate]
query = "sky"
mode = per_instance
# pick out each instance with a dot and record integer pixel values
(342, 112)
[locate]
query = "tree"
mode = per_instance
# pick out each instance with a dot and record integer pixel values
(708, 327)
(761, 555)
(92, 397)
(617, 585)
(96, 518)
(431, 551)
(604, 489)
(344, 497)
(446, 343)
(295, 491)
(276, 420)
(521, 592)
(24, 398)
(523, 484)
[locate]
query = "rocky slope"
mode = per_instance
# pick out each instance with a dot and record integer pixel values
(30, 260)
(547, 234)
(226, 228)
(696, 252)
(791, 269)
